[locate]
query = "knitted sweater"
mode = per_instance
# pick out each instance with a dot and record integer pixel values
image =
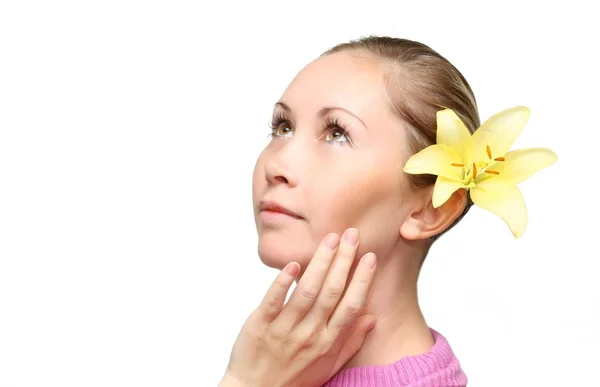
(437, 368)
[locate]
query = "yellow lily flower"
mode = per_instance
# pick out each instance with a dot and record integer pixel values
(482, 163)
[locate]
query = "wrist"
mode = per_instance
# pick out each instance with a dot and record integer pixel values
(231, 381)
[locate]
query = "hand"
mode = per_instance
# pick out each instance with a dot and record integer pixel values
(306, 341)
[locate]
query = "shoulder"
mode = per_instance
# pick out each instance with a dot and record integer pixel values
(437, 368)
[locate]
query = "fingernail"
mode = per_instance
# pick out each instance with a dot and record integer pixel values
(293, 269)
(370, 260)
(351, 236)
(331, 241)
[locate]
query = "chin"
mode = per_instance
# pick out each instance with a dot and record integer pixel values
(277, 252)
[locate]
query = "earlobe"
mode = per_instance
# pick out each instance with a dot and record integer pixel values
(428, 221)
(410, 230)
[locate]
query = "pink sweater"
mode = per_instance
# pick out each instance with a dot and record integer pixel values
(437, 368)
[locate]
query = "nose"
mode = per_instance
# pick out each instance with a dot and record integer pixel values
(275, 173)
(282, 167)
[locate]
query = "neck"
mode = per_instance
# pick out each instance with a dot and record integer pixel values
(401, 329)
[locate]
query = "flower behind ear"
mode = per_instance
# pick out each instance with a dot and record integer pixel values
(482, 163)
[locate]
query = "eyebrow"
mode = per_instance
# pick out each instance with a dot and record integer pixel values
(323, 111)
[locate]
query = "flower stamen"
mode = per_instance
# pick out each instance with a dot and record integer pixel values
(474, 171)
(492, 172)
(457, 165)
(489, 151)
(499, 159)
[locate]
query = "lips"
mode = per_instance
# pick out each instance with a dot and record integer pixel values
(276, 207)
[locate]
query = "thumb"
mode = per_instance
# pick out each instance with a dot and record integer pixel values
(354, 341)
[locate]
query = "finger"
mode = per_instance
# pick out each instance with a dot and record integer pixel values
(354, 340)
(275, 297)
(309, 286)
(337, 277)
(352, 304)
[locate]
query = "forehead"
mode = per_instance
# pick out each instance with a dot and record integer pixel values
(339, 79)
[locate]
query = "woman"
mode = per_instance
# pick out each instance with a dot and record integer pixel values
(342, 133)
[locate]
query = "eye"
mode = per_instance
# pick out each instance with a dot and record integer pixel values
(280, 127)
(336, 132)
(283, 130)
(336, 135)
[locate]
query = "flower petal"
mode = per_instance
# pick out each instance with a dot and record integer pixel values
(499, 133)
(504, 200)
(521, 164)
(443, 189)
(452, 131)
(436, 160)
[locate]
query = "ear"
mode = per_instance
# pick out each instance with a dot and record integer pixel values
(426, 221)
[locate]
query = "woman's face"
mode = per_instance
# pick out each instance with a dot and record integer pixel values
(330, 179)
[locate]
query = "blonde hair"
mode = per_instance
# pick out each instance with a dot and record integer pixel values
(419, 82)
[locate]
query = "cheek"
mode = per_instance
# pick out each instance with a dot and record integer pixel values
(259, 185)
(258, 177)
(355, 197)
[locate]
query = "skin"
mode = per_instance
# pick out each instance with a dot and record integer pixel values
(335, 182)
(306, 341)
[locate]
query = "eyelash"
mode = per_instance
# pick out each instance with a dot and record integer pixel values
(330, 124)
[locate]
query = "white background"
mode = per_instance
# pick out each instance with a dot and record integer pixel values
(128, 135)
